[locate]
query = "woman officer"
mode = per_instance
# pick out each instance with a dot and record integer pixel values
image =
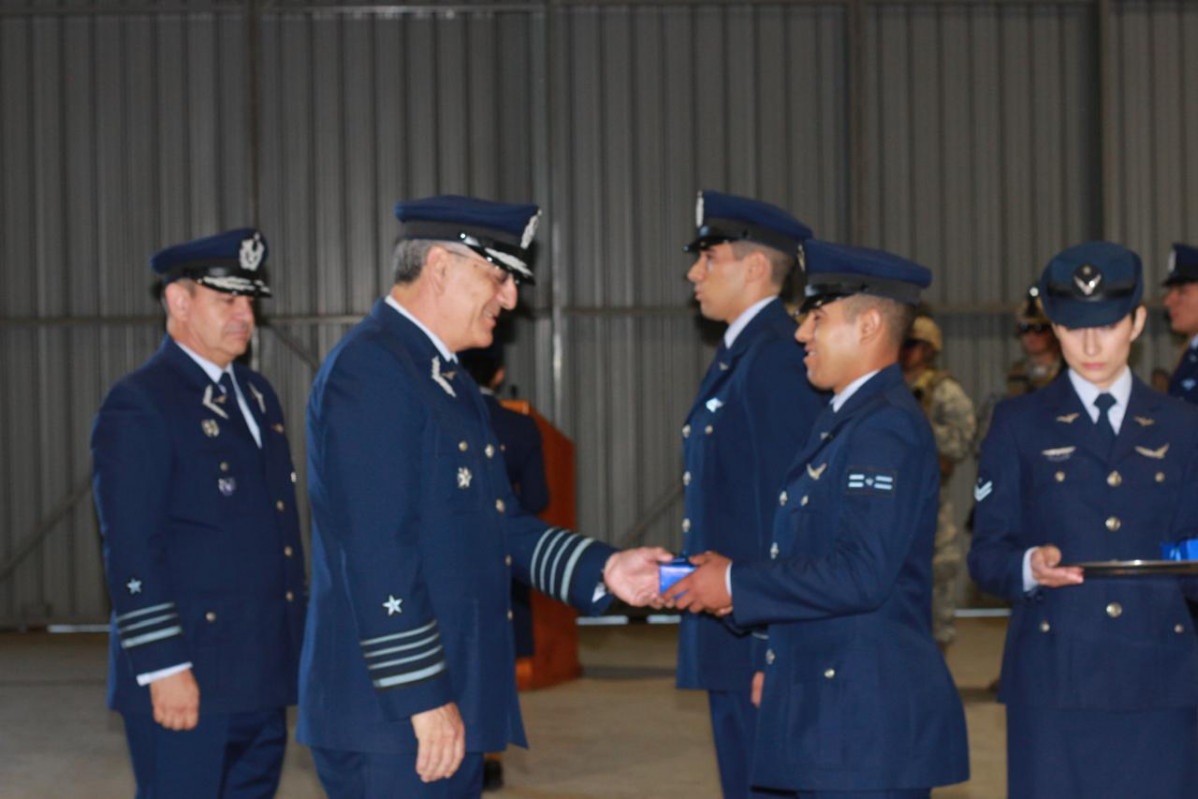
(1100, 675)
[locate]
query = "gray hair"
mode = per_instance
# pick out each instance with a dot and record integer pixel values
(408, 259)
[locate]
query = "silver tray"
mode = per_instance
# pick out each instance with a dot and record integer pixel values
(1138, 568)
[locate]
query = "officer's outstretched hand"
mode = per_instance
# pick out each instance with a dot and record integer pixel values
(1047, 571)
(176, 701)
(631, 574)
(441, 740)
(705, 588)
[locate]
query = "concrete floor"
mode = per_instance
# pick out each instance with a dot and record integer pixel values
(611, 735)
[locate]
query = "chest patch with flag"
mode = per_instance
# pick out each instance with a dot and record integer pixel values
(870, 481)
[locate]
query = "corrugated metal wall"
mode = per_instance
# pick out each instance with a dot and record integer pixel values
(976, 137)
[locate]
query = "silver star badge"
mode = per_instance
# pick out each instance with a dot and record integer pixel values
(134, 586)
(393, 605)
(464, 477)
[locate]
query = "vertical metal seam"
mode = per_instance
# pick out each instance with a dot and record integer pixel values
(253, 79)
(856, 120)
(1108, 123)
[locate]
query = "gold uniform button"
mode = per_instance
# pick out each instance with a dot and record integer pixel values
(1179, 628)
(499, 506)
(224, 466)
(293, 478)
(288, 551)
(278, 428)
(1059, 477)
(1160, 477)
(769, 657)
(210, 616)
(774, 551)
(290, 596)
(686, 525)
(804, 500)
(1114, 479)
(686, 478)
(829, 673)
(463, 446)
(1045, 626)
(1113, 523)
(280, 506)
(489, 451)
(686, 431)
(709, 430)
(509, 614)
(1114, 610)
(782, 498)
(507, 561)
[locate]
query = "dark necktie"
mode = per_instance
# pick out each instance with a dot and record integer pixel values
(1104, 430)
(232, 406)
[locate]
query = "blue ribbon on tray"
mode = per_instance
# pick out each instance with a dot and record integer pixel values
(1185, 549)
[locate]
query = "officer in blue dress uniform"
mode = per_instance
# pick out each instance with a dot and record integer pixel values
(1181, 300)
(855, 700)
(408, 671)
(194, 489)
(753, 411)
(1099, 676)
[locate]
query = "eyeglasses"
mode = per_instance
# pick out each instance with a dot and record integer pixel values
(1033, 327)
(498, 275)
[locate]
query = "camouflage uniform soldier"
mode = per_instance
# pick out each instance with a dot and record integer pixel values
(950, 412)
(1039, 366)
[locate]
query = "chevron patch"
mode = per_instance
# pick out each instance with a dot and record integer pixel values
(982, 490)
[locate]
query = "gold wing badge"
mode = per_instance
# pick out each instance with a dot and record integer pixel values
(1155, 454)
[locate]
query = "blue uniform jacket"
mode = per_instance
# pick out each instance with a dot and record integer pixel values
(524, 458)
(857, 696)
(751, 415)
(416, 537)
(201, 538)
(1183, 384)
(1109, 643)
(520, 442)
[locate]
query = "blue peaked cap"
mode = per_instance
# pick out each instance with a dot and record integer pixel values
(1183, 265)
(502, 233)
(1092, 284)
(837, 270)
(726, 217)
(230, 262)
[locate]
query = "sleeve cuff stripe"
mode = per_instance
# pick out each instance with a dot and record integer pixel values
(540, 560)
(551, 580)
(152, 609)
(125, 628)
(398, 636)
(568, 573)
(404, 648)
(407, 679)
(148, 638)
(400, 661)
(761, 636)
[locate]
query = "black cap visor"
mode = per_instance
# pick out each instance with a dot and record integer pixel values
(718, 231)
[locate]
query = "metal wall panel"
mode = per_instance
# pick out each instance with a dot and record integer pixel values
(975, 137)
